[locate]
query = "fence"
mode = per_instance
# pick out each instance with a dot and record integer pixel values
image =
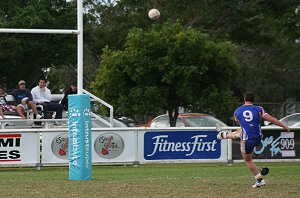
(50, 147)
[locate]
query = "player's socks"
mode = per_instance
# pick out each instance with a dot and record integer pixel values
(258, 177)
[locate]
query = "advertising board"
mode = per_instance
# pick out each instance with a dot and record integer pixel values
(275, 144)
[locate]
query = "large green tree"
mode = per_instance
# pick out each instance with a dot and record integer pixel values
(263, 33)
(165, 68)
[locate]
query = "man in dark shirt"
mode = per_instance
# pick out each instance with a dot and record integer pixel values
(72, 90)
(24, 101)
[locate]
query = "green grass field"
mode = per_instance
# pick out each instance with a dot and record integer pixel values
(163, 180)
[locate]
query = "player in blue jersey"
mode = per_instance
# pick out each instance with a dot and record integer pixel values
(248, 116)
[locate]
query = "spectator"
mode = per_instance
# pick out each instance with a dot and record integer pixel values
(42, 96)
(24, 101)
(71, 90)
(3, 104)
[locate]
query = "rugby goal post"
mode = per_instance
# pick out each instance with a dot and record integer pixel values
(80, 160)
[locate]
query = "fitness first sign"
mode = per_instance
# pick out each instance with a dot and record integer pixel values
(181, 145)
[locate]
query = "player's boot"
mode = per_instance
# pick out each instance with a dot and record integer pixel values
(259, 184)
(221, 134)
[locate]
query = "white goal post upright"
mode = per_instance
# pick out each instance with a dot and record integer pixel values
(80, 47)
(80, 163)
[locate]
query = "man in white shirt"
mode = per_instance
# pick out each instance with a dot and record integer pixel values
(41, 95)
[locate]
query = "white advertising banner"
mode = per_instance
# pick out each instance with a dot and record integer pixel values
(19, 148)
(114, 146)
(107, 146)
(55, 147)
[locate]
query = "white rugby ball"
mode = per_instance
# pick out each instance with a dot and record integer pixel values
(154, 14)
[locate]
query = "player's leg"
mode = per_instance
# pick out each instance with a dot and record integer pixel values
(250, 164)
(247, 151)
(229, 135)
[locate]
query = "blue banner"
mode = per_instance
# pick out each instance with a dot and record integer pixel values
(80, 160)
(181, 145)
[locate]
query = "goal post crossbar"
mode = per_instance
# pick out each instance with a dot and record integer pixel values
(38, 31)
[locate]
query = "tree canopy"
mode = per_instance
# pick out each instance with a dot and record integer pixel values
(165, 68)
(263, 34)
(265, 37)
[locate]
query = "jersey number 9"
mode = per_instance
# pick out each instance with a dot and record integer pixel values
(248, 115)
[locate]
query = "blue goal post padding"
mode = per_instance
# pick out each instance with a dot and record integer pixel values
(80, 158)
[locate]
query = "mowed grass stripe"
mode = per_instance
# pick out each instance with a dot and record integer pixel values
(155, 180)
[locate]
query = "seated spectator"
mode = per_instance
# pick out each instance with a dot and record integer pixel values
(42, 96)
(71, 90)
(24, 101)
(3, 104)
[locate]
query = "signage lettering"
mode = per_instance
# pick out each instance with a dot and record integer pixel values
(75, 143)
(13, 154)
(162, 145)
(181, 145)
(284, 145)
(10, 142)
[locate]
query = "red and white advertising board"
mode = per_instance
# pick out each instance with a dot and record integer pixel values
(19, 148)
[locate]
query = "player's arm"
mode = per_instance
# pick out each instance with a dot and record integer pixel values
(275, 121)
(236, 119)
(235, 134)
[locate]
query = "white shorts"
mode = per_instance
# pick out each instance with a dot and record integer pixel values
(25, 107)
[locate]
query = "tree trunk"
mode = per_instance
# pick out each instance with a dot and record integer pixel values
(173, 114)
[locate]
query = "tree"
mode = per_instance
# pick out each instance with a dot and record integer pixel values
(263, 34)
(165, 68)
